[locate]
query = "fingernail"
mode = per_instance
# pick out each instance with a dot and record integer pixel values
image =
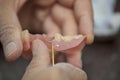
(90, 38)
(10, 48)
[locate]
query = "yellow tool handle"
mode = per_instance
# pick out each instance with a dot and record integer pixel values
(53, 55)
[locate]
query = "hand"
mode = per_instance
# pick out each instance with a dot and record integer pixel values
(42, 16)
(10, 29)
(68, 17)
(40, 67)
(10, 26)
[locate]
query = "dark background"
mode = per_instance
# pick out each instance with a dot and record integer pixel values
(101, 61)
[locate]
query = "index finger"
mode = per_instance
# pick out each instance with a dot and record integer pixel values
(84, 15)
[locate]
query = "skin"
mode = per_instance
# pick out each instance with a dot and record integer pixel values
(43, 16)
(68, 17)
(72, 56)
(37, 70)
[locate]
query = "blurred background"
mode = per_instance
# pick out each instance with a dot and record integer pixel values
(101, 60)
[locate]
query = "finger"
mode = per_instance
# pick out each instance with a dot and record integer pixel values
(44, 3)
(40, 53)
(83, 13)
(74, 58)
(42, 13)
(66, 20)
(74, 55)
(50, 27)
(69, 27)
(10, 31)
(40, 16)
(67, 3)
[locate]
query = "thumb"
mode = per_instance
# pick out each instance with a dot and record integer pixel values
(40, 61)
(10, 32)
(40, 53)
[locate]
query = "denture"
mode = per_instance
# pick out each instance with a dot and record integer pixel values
(60, 43)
